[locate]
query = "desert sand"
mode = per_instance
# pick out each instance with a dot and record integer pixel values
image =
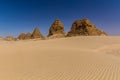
(73, 58)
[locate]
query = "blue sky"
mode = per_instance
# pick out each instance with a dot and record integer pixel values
(18, 16)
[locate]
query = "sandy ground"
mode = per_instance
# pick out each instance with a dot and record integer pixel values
(76, 58)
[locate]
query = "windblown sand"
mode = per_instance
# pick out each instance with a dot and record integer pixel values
(76, 58)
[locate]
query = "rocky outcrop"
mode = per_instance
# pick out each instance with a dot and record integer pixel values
(36, 34)
(56, 29)
(84, 28)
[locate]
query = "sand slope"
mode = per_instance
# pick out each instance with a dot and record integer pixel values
(77, 58)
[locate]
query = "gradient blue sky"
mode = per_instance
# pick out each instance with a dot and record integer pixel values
(18, 16)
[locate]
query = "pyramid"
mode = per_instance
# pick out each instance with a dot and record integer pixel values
(85, 28)
(10, 38)
(36, 34)
(22, 36)
(28, 36)
(56, 29)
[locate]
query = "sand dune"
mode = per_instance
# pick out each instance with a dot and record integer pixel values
(76, 58)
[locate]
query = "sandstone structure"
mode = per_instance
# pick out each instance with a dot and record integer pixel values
(10, 38)
(84, 28)
(36, 34)
(22, 36)
(28, 36)
(56, 29)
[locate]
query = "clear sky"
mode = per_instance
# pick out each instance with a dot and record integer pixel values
(18, 16)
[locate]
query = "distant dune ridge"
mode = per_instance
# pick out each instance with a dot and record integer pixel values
(79, 28)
